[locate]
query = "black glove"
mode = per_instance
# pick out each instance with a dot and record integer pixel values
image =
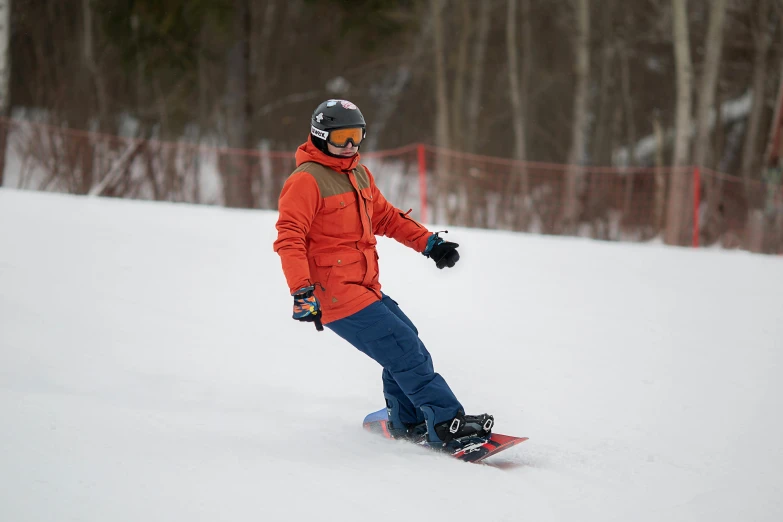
(307, 308)
(443, 252)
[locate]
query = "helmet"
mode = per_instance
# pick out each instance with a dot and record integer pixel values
(332, 115)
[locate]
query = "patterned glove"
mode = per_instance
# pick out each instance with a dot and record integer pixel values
(307, 308)
(443, 252)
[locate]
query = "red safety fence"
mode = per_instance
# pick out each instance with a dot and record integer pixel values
(441, 186)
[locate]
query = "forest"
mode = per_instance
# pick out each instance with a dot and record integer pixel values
(580, 117)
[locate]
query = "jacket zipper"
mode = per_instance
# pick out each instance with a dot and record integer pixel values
(367, 213)
(355, 185)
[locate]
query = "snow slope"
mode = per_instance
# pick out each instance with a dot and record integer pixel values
(149, 371)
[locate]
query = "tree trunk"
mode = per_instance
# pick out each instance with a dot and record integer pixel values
(461, 213)
(441, 111)
(5, 79)
(763, 41)
(601, 150)
(627, 93)
(709, 81)
(88, 176)
(476, 183)
(630, 126)
(460, 78)
(574, 177)
(659, 199)
(517, 116)
(88, 48)
(477, 76)
(680, 176)
(772, 152)
(236, 169)
(518, 186)
(441, 96)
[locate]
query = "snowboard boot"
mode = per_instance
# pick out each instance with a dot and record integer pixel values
(458, 432)
(397, 428)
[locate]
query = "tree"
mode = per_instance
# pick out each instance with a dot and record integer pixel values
(477, 66)
(236, 169)
(5, 73)
(709, 80)
(518, 185)
(762, 39)
(576, 157)
(516, 94)
(678, 186)
(442, 134)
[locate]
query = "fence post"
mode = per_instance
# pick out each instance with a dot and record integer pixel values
(422, 182)
(696, 204)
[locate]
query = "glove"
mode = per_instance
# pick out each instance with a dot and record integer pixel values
(443, 252)
(307, 308)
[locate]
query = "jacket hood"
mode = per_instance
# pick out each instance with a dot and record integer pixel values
(308, 152)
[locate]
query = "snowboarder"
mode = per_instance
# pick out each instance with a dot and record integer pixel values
(330, 212)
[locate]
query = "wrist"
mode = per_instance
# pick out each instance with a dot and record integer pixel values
(432, 241)
(303, 291)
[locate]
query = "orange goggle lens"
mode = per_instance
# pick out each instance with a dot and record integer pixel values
(341, 137)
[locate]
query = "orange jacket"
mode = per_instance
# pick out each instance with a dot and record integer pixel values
(330, 212)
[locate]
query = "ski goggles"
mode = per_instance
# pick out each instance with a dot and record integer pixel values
(341, 137)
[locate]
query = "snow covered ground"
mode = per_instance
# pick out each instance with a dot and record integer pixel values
(149, 371)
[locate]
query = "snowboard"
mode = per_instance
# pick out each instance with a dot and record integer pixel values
(479, 448)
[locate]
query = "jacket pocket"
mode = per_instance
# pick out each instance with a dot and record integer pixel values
(340, 214)
(340, 269)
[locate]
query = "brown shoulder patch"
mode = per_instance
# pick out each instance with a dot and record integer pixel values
(362, 178)
(330, 183)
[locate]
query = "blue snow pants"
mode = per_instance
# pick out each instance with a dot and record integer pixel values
(384, 333)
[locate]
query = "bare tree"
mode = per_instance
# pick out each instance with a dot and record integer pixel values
(236, 169)
(659, 200)
(678, 188)
(442, 135)
(441, 95)
(762, 38)
(709, 80)
(515, 93)
(772, 150)
(459, 81)
(627, 94)
(476, 182)
(630, 123)
(518, 186)
(606, 103)
(91, 64)
(706, 100)
(605, 124)
(477, 75)
(771, 153)
(574, 176)
(5, 78)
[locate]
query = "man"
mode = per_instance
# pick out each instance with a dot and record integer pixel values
(330, 212)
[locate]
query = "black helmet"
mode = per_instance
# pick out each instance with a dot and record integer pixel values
(332, 115)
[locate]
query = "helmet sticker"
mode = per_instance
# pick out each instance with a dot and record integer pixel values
(318, 133)
(319, 117)
(331, 103)
(347, 105)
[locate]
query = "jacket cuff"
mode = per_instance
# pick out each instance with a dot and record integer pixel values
(420, 245)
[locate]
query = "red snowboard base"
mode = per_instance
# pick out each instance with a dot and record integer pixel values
(477, 450)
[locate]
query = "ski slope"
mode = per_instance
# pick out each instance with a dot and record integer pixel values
(150, 371)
